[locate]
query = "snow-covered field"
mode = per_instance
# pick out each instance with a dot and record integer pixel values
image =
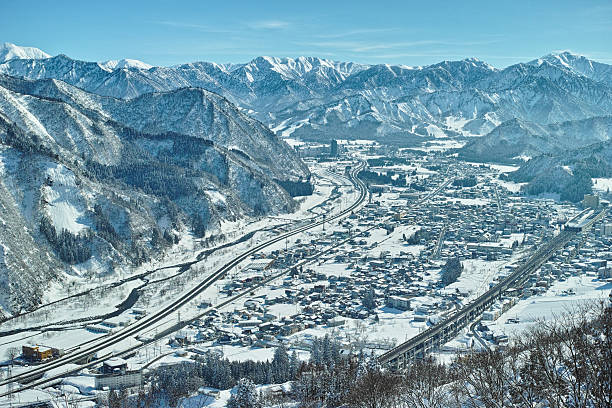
(553, 303)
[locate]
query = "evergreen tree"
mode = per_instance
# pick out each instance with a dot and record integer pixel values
(280, 365)
(315, 353)
(245, 395)
(372, 365)
(294, 365)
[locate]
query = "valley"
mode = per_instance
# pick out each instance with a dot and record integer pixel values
(283, 218)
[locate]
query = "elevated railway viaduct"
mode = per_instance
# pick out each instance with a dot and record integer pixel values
(435, 337)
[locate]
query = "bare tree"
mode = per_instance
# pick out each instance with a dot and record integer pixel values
(12, 353)
(425, 385)
(375, 389)
(559, 363)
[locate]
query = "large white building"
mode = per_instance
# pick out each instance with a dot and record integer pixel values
(119, 381)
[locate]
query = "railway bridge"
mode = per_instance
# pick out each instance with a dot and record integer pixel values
(435, 337)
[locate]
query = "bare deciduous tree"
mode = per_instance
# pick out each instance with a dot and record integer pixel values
(12, 353)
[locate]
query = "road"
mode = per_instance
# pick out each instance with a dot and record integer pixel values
(450, 327)
(149, 322)
(141, 325)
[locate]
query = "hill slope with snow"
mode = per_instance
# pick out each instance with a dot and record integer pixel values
(90, 183)
(316, 97)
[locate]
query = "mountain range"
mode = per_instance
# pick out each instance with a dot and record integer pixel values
(107, 164)
(314, 98)
(92, 183)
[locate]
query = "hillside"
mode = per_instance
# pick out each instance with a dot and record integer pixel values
(316, 97)
(568, 173)
(517, 140)
(90, 183)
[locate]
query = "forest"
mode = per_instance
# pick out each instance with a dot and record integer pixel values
(559, 363)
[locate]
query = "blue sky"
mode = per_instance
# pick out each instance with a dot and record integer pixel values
(396, 32)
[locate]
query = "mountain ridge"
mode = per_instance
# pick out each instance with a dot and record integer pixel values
(93, 193)
(465, 97)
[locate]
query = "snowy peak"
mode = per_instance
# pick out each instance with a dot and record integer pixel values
(578, 64)
(10, 51)
(111, 65)
(298, 67)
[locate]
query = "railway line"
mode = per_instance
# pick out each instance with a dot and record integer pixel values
(85, 352)
(441, 333)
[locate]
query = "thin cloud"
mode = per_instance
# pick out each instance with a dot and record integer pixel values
(269, 25)
(365, 47)
(352, 33)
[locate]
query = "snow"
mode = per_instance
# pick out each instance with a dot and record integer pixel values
(476, 276)
(293, 142)
(124, 63)
(552, 303)
(509, 185)
(85, 383)
(238, 353)
(469, 201)
(63, 199)
(503, 168)
(10, 51)
(522, 157)
(602, 184)
(216, 197)
(435, 131)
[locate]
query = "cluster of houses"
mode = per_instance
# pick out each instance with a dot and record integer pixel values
(482, 221)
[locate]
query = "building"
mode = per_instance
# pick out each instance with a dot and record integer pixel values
(398, 302)
(590, 201)
(333, 148)
(114, 365)
(36, 352)
(260, 264)
(120, 380)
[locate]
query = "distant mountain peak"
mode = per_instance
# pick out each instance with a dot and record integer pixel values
(578, 64)
(9, 51)
(124, 63)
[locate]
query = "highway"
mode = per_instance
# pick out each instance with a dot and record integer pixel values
(138, 327)
(444, 331)
(89, 348)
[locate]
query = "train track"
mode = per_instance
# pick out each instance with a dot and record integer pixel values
(448, 328)
(133, 330)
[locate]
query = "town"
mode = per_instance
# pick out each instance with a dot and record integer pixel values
(432, 235)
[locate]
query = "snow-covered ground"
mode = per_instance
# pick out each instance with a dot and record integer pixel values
(602, 184)
(553, 303)
(109, 296)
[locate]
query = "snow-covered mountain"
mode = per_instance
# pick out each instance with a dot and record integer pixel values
(104, 163)
(89, 182)
(568, 172)
(516, 139)
(580, 65)
(10, 51)
(125, 63)
(316, 97)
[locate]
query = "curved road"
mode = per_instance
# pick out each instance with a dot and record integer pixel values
(150, 320)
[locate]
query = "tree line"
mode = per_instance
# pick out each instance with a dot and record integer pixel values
(560, 363)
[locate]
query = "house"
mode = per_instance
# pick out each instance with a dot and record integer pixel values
(336, 321)
(35, 352)
(114, 365)
(260, 264)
